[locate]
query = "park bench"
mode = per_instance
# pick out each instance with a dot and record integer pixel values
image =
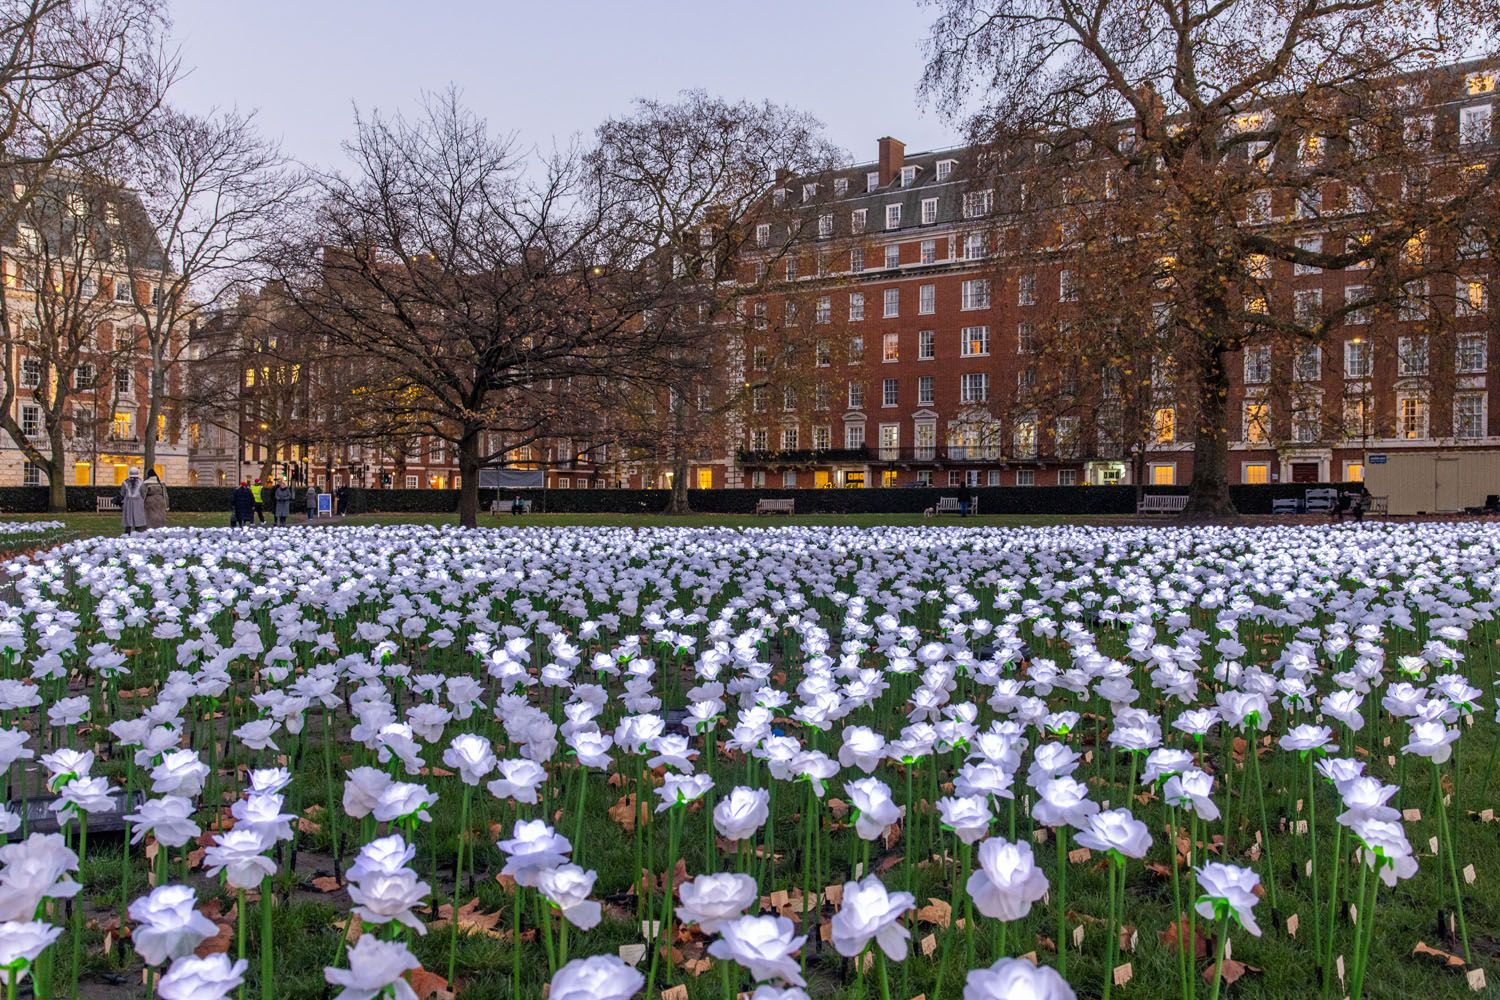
(1321, 501)
(1162, 503)
(1286, 505)
(106, 505)
(1380, 506)
(503, 506)
(775, 507)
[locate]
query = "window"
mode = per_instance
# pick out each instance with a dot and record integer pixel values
(822, 438)
(1307, 305)
(856, 307)
(788, 399)
(889, 392)
(1474, 124)
(1310, 244)
(1359, 358)
(1356, 417)
(1026, 290)
(789, 479)
(840, 187)
(857, 221)
(974, 387)
(976, 246)
(1026, 378)
(1164, 425)
(927, 300)
(924, 390)
(825, 226)
(88, 288)
(83, 376)
(1065, 436)
(122, 426)
(1023, 436)
(1472, 353)
(1256, 473)
(890, 348)
(955, 478)
(821, 396)
(929, 211)
(978, 203)
(760, 358)
(1471, 243)
(1413, 301)
(760, 315)
(1025, 338)
(1307, 424)
(122, 381)
(1257, 422)
(856, 350)
(809, 192)
(925, 441)
(758, 399)
(1067, 477)
(1480, 83)
(790, 314)
(872, 180)
(1066, 292)
(31, 475)
(1356, 296)
(758, 479)
(122, 290)
(929, 252)
(1418, 131)
(1411, 418)
(893, 255)
(1257, 364)
(31, 420)
(944, 169)
(1025, 477)
(823, 313)
(1473, 297)
(976, 294)
(891, 302)
(1468, 415)
(760, 439)
(1164, 474)
(854, 435)
(908, 174)
(1258, 207)
(1411, 356)
(975, 341)
(926, 345)
(1307, 366)
(856, 395)
(789, 439)
(857, 260)
(893, 216)
(31, 373)
(822, 354)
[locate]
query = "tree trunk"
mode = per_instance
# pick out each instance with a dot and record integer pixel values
(153, 411)
(468, 485)
(679, 501)
(57, 481)
(1208, 493)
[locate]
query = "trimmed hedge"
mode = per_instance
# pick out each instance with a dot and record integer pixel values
(1072, 500)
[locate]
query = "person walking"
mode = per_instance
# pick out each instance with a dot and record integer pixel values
(257, 493)
(132, 503)
(242, 506)
(311, 497)
(155, 494)
(342, 498)
(282, 497)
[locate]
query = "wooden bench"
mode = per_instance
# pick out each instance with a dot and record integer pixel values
(775, 507)
(1162, 503)
(947, 505)
(1321, 501)
(1286, 505)
(498, 507)
(1379, 506)
(106, 505)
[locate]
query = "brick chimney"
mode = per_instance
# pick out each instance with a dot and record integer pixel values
(892, 157)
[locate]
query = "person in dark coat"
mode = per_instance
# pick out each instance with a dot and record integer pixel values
(282, 498)
(311, 499)
(242, 506)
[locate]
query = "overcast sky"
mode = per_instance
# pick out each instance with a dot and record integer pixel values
(548, 71)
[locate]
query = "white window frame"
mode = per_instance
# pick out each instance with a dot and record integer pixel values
(929, 211)
(926, 300)
(976, 295)
(969, 336)
(926, 345)
(893, 216)
(890, 303)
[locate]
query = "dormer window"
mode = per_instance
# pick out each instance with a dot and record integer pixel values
(778, 197)
(809, 192)
(840, 187)
(944, 169)
(872, 180)
(908, 176)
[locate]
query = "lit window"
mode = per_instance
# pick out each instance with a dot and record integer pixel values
(975, 341)
(1257, 473)
(1164, 425)
(1257, 422)
(1164, 474)
(890, 347)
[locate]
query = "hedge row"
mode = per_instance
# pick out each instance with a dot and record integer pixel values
(1078, 500)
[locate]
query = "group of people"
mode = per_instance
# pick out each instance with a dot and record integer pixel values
(248, 502)
(143, 502)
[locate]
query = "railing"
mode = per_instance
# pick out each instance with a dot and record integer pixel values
(918, 455)
(802, 456)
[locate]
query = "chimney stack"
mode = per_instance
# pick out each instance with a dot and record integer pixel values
(892, 157)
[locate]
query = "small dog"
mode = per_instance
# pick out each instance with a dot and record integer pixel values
(928, 513)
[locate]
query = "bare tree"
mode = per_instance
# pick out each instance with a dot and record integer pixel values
(1193, 144)
(213, 195)
(466, 283)
(75, 76)
(698, 177)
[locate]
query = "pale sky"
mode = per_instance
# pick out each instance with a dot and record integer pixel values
(548, 71)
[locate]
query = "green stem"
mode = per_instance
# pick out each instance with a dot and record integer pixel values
(1062, 901)
(267, 944)
(1219, 955)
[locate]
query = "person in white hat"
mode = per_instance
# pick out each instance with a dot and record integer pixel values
(132, 503)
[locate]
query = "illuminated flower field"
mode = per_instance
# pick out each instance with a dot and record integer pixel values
(783, 763)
